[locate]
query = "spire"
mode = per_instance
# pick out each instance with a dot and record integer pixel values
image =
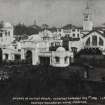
(87, 17)
(87, 5)
(87, 9)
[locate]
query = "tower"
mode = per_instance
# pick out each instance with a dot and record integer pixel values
(6, 33)
(87, 19)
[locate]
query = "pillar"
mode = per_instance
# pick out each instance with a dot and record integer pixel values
(68, 60)
(35, 57)
(4, 57)
(62, 60)
(22, 54)
(97, 41)
(91, 41)
(72, 59)
(10, 56)
(50, 60)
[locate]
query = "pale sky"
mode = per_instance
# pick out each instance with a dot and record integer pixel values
(51, 12)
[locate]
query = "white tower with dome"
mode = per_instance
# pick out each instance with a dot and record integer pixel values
(6, 33)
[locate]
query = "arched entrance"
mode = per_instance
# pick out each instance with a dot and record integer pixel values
(29, 57)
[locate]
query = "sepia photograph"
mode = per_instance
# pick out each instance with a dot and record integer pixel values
(52, 52)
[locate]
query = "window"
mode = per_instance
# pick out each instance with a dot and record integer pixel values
(57, 59)
(8, 33)
(101, 42)
(66, 59)
(19, 50)
(86, 18)
(57, 44)
(88, 42)
(51, 44)
(73, 30)
(15, 47)
(78, 35)
(0, 34)
(94, 40)
(74, 49)
(73, 35)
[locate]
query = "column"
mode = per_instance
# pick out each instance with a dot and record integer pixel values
(10, 56)
(97, 41)
(61, 60)
(91, 41)
(22, 54)
(50, 60)
(72, 59)
(4, 57)
(68, 60)
(35, 57)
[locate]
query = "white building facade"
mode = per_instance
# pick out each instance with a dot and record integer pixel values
(40, 46)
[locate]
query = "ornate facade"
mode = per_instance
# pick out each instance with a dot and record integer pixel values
(48, 47)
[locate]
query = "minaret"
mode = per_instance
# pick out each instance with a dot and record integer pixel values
(87, 19)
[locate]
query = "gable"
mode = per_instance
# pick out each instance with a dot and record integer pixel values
(94, 32)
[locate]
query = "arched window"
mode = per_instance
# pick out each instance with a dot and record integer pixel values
(66, 59)
(94, 40)
(57, 59)
(88, 42)
(101, 42)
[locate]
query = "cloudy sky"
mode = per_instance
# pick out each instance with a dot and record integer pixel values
(51, 12)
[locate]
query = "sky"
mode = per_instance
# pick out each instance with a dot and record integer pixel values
(51, 12)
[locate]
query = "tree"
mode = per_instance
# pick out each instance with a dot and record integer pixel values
(45, 26)
(20, 29)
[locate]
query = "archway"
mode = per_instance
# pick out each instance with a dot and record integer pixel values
(87, 42)
(29, 57)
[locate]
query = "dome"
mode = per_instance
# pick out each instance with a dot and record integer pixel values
(60, 49)
(6, 24)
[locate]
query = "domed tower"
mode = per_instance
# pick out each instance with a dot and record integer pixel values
(6, 33)
(87, 19)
